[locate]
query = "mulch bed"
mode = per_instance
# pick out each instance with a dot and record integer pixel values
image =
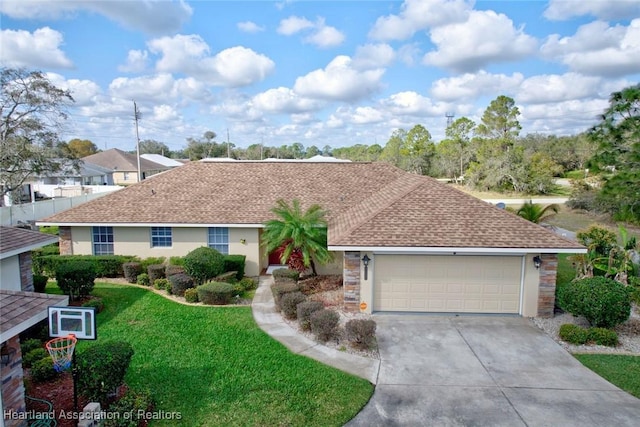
(59, 392)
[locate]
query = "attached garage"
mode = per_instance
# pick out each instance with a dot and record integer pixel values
(445, 283)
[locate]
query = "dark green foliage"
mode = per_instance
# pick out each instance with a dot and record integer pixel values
(105, 265)
(191, 295)
(42, 370)
(53, 249)
(361, 332)
(102, 368)
(598, 239)
(30, 344)
(203, 264)
(215, 293)
(573, 334)
(143, 279)
(131, 271)
(180, 282)
(76, 278)
(34, 355)
(171, 269)
(39, 283)
(147, 262)
(603, 302)
(156, 271)
(134, 403)
(281, 275)
(324, 324)
(282, 288)
(577, 335)
(602, 336)
(169, 287)
(235, 263)
(305, 310)
(289, 304)
(96, 303)
(228, 277)
(248, 284)
(161, 284)
(178, 261)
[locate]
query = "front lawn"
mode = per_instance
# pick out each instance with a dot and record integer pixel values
(216, 367)
(622, 371)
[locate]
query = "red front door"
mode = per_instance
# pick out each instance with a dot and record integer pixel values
(274, 257)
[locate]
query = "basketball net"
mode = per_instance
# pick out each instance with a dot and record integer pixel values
(61, 351)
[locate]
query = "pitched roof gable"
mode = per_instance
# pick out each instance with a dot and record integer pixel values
(118, 160)
(14, 241)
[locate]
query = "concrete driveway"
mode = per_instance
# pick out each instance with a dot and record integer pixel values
(485, 371)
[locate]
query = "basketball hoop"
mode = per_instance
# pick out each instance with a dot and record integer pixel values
(61, 351)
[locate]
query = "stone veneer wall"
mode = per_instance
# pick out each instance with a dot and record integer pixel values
(547, 288)
(351, 281)
(26, 275)
(13, 385)
(66, 244)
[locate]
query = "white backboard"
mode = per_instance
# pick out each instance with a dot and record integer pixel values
(79, 321)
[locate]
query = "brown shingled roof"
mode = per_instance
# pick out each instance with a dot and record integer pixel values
(118, 160)
(369, 204)
(14, 241)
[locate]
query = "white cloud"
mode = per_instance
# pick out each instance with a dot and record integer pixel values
(373, 56)
(284, 100)
(366, 115)
(325, 37)
(562, 118)
(149, 16)
(598, 49)
(413, 104)
(164, 113)
(339, 81)
(485, 38)
(560, 10)
(321, 35)
(558, 88)
(145, 88)
(33, 50)
(137, 61)
(84, 92)
(469, 86)
(293, 25)
(416, 15)
(250, 27)
(189, 54)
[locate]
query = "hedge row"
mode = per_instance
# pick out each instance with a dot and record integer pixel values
(104, 265)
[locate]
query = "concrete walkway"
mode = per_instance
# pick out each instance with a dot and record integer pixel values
(265, 315)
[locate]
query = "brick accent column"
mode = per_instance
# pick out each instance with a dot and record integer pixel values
(547, 288)
(351, 281)
(66, 244)
(26, 275)
(13, 385)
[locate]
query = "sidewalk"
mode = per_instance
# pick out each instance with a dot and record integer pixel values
(265, 315)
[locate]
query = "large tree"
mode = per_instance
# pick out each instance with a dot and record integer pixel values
(454, 152)
(32, 110)
(418, 151)
(151, 146)
(80, 148)
(500, 121)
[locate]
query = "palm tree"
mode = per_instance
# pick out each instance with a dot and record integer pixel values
(537, 213)
(297, 231)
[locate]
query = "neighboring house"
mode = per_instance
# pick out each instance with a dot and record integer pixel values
(87, 174)
(20, 308)
(162, 160)
(124, 166)
(431, 248)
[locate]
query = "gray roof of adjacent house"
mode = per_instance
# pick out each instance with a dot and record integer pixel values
(117, 160)
(367, 204)
(20, 310)
(162, 160)
(14, 241)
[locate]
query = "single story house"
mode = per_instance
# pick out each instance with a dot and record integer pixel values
(20, 308)
(402, 242)
(124, 166)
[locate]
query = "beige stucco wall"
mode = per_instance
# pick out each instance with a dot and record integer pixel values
(366, 286)
(119, 178)
(250, 248)
(81, 240)
(10, 274)
(530, 291)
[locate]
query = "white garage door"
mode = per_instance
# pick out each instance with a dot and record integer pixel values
(430, 283)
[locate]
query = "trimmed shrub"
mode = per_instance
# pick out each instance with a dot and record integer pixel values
(169, 286)
(171, 270)
(96, 303)
(280, 289)
(161, 284)
(102, 368)
(143, 279)
(155, 272)
(573, 334)
(324, 324)
(177, 261)
(289, 304)
(76, 279)
(203, 264)
(39, 283)
(305, 310)
(235, 263)
(248, 284)
(228, 277)
(361, 332)
(215, 293)
(131, 271)
(603, 302)
(602, 336)
(32, 343)
(191, 295)
(104, 265)
(147, 262)
(282, 275)
(135, 405)
(34, 355)
(42, 370)
(180, 283)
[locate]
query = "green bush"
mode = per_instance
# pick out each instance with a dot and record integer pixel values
(156, 271)
(161, 284)
(143, 279)
(39, 283)
(603, 302)
(305, 310)
(235, 263)
(34, 355)
(102, 368)
(602, 336)
(95, 303)
(289, 304)
(137, 404)
(228, 277)
(177, 261)
(42, 370)
(179, 283)
(52, 249)
(191, 295)
(248, 284)
(171, 270)
(361, 333)
(280, 289)
(282, 275)
(105, 265)
(324, 324)
(203, 264)
(215, 293)
(147, 262)
(76, 279)
(131, 271)
(30, 344)
(573, 334)
(169, 286)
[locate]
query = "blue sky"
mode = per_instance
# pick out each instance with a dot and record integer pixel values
(321, 72)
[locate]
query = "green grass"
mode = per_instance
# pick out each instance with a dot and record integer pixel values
(566, 271)
(622, 371)
(216, 367)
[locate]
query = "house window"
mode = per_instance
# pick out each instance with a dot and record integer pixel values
(102, 240)
(126, 176)
(219, 239)
(160, 237)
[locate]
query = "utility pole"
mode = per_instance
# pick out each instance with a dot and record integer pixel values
(261, 147)
(228, 149)
(136, 116)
